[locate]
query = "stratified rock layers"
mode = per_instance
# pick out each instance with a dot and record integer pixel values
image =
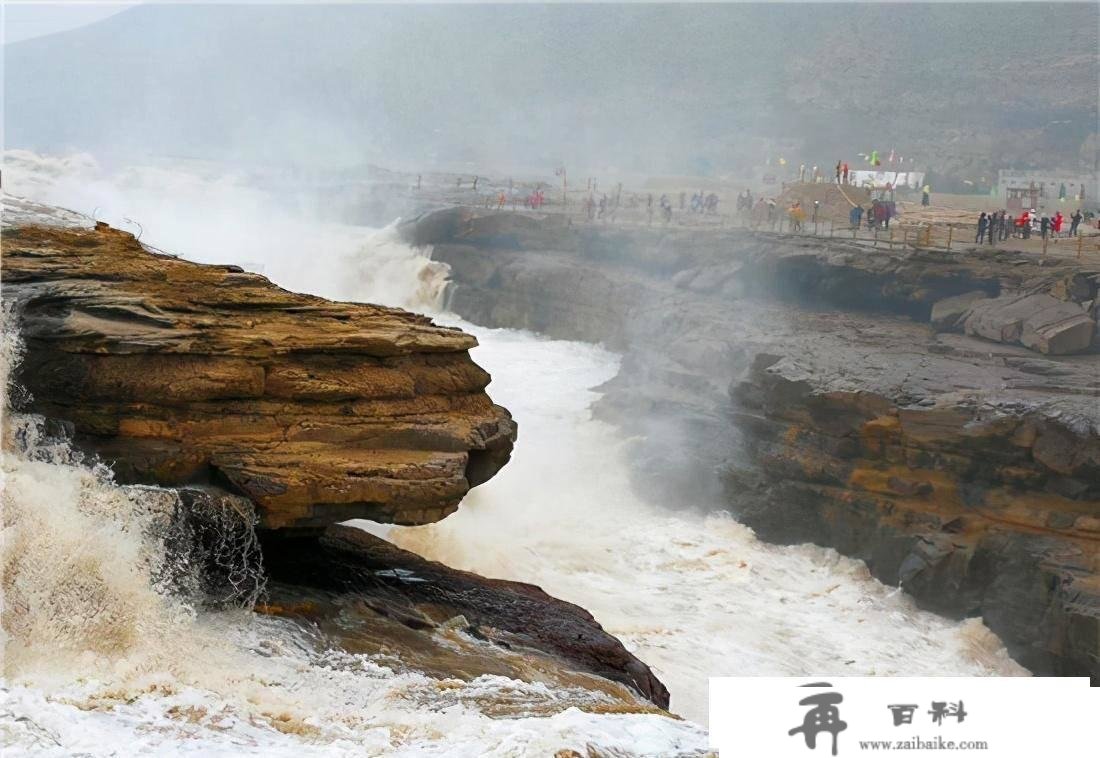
(182, 373)
(937, 415)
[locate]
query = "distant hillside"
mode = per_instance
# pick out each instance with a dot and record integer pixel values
(689, 89)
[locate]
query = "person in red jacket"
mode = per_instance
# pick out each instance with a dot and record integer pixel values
(1023, 224)
(1057, 221)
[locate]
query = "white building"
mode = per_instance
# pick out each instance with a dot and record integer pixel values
(1044, 189)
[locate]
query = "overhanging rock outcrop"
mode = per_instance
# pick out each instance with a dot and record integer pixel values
(181, 373)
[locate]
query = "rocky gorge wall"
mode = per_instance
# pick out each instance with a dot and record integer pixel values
(935, 415)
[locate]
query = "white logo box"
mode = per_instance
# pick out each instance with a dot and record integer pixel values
(1029, 717)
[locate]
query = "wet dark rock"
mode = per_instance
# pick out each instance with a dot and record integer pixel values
(424, 594)
(216, 530)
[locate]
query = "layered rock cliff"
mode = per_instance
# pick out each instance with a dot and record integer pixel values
(180, 373)
(935, 415)
(251, 403)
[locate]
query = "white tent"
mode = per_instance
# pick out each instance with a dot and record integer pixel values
(879, 179)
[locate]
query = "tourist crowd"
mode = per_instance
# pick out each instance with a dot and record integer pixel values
(1000, 225)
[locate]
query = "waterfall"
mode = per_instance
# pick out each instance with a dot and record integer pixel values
(109, 634)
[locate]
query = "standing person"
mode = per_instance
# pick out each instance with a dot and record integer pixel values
(1044, 225)
(759, 212)
(1057, 222)
(802, 174)
(925, 194)
(839, 164)
(983, 222)
(1074, 222)
(844, 171)
(992, 228)
(855, 216)
(797, 216)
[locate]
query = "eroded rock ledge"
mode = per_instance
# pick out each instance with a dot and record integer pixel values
(935, 415)
(422, 595)
(181, 373)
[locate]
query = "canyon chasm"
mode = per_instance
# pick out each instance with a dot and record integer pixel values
(934, 414)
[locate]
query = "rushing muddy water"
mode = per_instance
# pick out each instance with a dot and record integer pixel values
(692, 595)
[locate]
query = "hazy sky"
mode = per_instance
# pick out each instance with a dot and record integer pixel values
(704, 89)
(24, 20)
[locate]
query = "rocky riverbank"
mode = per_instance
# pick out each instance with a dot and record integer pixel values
(936, 415)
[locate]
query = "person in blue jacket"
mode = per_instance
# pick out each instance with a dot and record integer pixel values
(855, 216)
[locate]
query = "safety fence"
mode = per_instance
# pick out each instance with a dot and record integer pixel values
(898, 235)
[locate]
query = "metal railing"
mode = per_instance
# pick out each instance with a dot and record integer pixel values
(899, 235)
